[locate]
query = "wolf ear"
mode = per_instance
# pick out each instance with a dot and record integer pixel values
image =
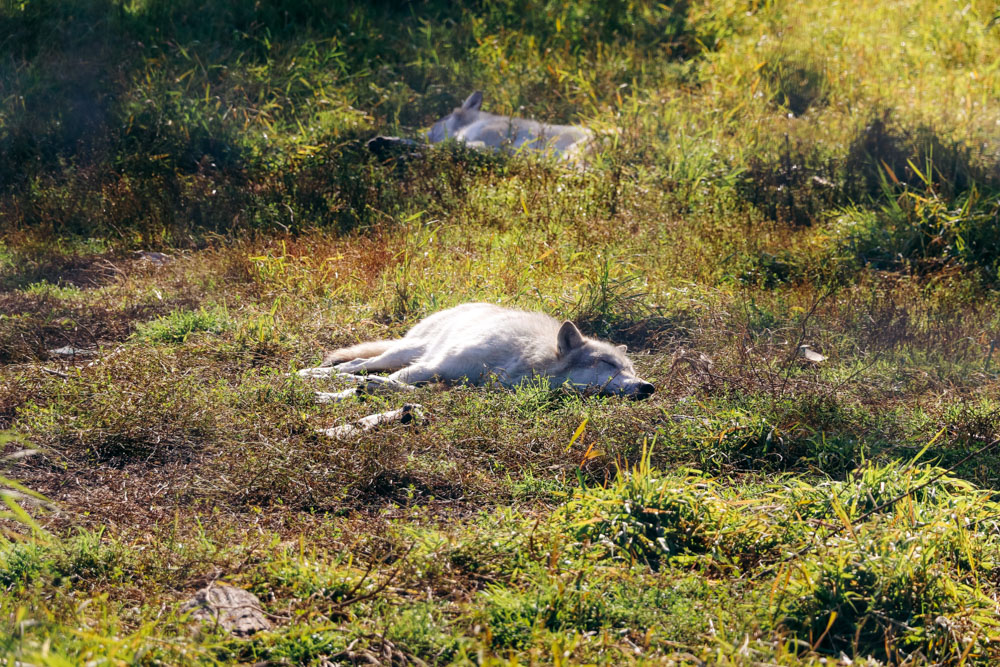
(622, 348)
(473, 101)
(569, 338)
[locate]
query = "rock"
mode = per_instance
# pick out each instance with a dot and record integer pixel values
(809, 354)
(235, 609)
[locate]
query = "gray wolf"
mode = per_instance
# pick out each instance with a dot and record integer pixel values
(474, 127)
(476, 342)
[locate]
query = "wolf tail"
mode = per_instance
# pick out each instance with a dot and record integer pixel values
(359, 351)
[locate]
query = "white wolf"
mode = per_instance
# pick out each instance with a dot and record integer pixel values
(474, 342)
(478, 128)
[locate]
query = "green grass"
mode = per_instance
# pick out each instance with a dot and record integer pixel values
(775, 174)
(178, 325)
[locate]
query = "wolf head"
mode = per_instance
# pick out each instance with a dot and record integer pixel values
(457, 119)
(595, 366)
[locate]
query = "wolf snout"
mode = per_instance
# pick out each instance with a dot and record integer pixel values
(644, 390)
(637, 391)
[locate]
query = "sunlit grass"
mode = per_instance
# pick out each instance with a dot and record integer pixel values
(770, 175)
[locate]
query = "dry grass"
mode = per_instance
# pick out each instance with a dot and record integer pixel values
(817, 174)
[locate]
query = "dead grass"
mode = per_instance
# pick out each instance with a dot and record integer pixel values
(797, 174)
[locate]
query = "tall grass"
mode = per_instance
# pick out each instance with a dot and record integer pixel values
(769, 175)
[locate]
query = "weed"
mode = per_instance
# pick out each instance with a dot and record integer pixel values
(608, 302)
(22, 563)
(646, 516)
(86, 559)
(797, 85)
(178, 325)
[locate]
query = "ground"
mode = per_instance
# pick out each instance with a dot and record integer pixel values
(769, 175)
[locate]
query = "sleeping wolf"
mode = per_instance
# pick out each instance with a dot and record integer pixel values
(478, 128)
(474, 342)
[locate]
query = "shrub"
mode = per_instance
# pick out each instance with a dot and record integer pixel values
(908, 587)
(647, 516)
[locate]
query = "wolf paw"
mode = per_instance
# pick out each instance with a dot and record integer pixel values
(351, 366)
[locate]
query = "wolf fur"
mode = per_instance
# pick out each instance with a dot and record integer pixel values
(474, 127)
(475, 342)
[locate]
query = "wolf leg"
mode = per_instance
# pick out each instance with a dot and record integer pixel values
(393, 359)
(414, 374)
(335, 396)
(372, 383)
(318, 372)
(325, 372)
(369, 384)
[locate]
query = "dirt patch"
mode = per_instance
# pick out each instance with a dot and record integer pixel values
(84, 271)
(104, 494)
(32, 325)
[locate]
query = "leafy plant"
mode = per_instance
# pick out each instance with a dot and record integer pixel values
(646, 515)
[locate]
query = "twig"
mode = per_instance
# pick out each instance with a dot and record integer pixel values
(411, 412)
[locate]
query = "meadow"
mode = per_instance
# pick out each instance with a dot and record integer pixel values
(772, 175)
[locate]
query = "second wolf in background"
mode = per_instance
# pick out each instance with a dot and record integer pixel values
(475, 127)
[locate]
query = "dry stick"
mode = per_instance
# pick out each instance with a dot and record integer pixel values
(809, 547)
(411, 412)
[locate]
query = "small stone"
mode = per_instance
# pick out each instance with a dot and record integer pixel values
(810, 354)
(235, 609)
